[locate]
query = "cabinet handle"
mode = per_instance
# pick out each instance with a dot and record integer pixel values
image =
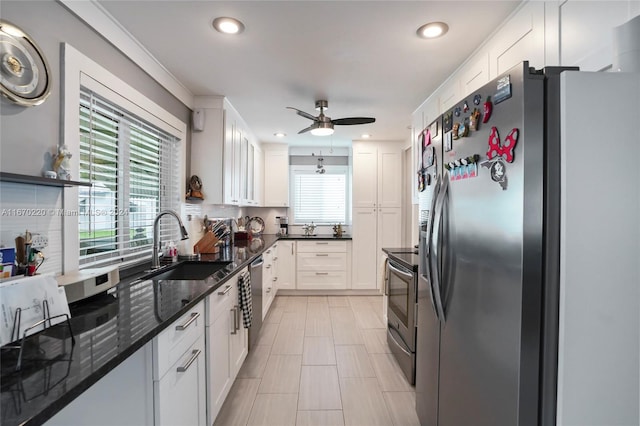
(194, 355)
(292, 249)
(322, 273)
(322, 254)
(274, 279)
(320, 242)
(269, 290)
(238, 317)
(184, 326)
(226, 290)
(234, 311)
(275, 258)
(268, 266)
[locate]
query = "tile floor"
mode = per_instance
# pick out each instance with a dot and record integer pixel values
(321, 360)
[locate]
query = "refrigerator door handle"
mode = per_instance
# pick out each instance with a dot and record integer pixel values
(426, 260)
(435, 247)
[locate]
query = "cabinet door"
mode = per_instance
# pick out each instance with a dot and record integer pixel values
(389, 176)
(181, 393)
(365, 164)
(251, 166)
(286, 265)
(219, 371)
(267, 281)
(258, 179)
(276, 178)
(389, 233)
(227, 167)
(244, 169)
(238, 335)
(364, 249)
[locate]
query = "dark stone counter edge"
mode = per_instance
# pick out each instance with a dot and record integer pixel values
(110, 365)
(51, 410)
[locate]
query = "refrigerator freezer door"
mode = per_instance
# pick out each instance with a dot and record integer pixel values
(599, 274)
(482, 262)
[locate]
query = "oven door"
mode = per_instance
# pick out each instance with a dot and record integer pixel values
(402, 302)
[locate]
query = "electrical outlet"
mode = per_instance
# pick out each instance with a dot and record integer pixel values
(39, 241)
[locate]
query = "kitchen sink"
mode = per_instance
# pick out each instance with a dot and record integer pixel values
(190, 271)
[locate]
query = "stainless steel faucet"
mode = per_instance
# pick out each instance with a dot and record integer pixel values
(155, 257)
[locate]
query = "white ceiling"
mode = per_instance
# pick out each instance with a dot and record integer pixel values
(362, 56)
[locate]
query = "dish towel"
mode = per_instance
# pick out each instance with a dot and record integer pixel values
(244, 298)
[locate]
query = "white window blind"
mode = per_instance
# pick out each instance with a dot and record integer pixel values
(319, 198)
(131, 165)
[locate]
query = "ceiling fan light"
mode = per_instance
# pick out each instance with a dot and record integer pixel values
(322, 129)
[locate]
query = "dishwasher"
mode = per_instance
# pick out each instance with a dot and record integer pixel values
(256, 300)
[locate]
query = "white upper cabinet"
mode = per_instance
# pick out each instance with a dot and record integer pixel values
(520, 39)
(365, 175)
(377, 174)
(223, 155)
(276, 175)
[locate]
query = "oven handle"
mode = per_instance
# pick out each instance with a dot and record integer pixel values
(399, 272)
(435, 247)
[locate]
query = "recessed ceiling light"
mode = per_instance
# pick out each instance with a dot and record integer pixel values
(365, 136)
(280, 134)
(228, 25)
(432, 30)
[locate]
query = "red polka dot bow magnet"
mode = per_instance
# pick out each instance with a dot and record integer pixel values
(505, 150)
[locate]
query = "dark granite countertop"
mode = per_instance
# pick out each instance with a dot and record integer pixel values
(108, 328)
(314, 237)
(405, 256)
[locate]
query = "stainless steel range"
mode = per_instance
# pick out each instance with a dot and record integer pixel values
(401, 282)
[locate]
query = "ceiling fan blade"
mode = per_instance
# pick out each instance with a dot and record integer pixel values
(353, 120)
(313, 126)
(304, 114)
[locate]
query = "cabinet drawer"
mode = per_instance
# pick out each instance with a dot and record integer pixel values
(322, 280)
(220, 301)
(322, 246)
(180, 396)
(322, 262)
(173, 342)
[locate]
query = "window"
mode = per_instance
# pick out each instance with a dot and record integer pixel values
(131, 165)
(320, 198)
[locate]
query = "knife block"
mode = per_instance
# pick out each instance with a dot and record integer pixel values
(207, 244)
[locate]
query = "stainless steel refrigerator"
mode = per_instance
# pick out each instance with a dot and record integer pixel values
(495, 322)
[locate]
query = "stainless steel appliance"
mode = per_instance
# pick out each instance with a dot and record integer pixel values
(256, 299)
(506, 222)
(283, 225)
(401, 289)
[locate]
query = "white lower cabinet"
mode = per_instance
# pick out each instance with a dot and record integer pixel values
(322, 265)
(180, 395)
(239, 336)
(179, 371)
(227, 344)
(128, 387)
(269, 278)
(286, 265)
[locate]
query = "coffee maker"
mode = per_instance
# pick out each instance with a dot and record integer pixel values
(283, 223)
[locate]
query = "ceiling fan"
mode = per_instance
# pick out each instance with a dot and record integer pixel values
(323, 125)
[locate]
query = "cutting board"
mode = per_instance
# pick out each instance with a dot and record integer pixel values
(207, 244)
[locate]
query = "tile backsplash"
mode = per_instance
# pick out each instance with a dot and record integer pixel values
(36, 209)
